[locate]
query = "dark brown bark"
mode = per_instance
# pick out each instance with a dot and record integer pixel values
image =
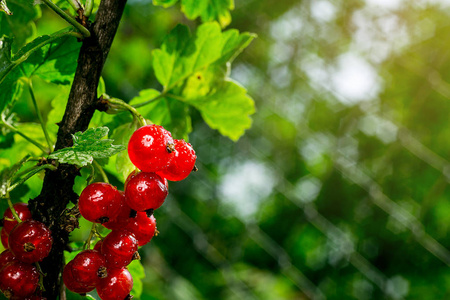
(57, 190)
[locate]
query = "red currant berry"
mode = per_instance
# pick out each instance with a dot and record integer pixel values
(146, 191)
(143, 227)
(100, 202)
(150, 148)
(8, 219)
(131, 175)
(98, 246)
(116, 286)
(30, 241)
(72, 283)
(122, 219)
(182, 163)
(88, 267)
(4, 238)
(18, 279)
(6, 257)
(119, 247)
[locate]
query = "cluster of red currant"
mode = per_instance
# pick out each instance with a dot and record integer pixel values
(26, 243)
(128, 214)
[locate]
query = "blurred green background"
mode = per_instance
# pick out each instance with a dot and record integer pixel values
(340, 190)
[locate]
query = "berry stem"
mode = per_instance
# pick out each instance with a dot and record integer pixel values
(30, 174)
(91, 176)
(128, 107)
(11, 207)
(68, 18)
(15, 130)
(162, 95)
(18, 60)
(150, 100)
(28, 170)
(97, 234)
(41, 276)
(87, 244)
(39, 115)
(101, 171)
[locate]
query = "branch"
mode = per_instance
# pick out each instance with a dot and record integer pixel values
(57, 190)
(68, 18)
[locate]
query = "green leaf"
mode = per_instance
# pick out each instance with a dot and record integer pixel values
(164, 3)
(194, 70)
(234, 43)
(87, 146)
(181, 55)
(101, 88)
(20, 25)
(7, 174)
(10, 88)
(122, 135)
(55, 61)
(218, 10)
(168, 112)
(34, 49)
(58, 107)
(68, 256)
(194, 8)
(137, 272)
(5, 53)
(74, 296)
(208, 10)
(49, 57)
(226, 109)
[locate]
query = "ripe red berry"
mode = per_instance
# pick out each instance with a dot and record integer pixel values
(131, 175)
(18, 279)
(119, 247)
(182, 163)
(116, 286)
(98, 246)
(143, 227)
(150, 148)
(122, 219)
(4, 238)
(88, 267)
(146, 191)
(30, 241)
(6, 257)
(8, 219)
(72, 283)
(100, 202)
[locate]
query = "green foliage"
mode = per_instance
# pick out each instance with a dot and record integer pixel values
(193, 69)
(20, 24)
(53, 61)
(6, 175)
(10, 87)
(87, 146)
(208, 10)
(168, 112)
(74, 296)
(48, 57)
(137, 272)
(121, 136)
